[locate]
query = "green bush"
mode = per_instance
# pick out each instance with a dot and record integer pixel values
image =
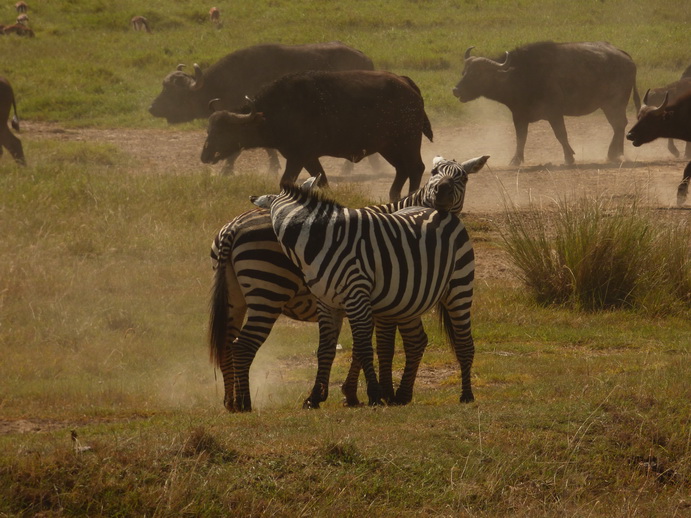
(598, 254)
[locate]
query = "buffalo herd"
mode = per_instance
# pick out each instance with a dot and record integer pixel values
(308, 101)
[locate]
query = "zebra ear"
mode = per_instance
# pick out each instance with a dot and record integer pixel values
(474, 164)
(435, 163)
(311, 182)
(264, 201)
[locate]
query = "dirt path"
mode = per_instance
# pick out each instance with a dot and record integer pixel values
(649, 171)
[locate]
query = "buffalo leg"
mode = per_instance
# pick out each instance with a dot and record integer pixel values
(291, 172)
(274, 164)
(683, 189)
(13, 145)
(559, 129)
(672, 148)
(687, 153)
(229, 166)
(617, 119)
(521, 127)
(409, 166)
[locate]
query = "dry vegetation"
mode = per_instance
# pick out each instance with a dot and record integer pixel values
(104, 282)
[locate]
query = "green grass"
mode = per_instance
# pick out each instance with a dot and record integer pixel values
(87, 67)
(105, 278)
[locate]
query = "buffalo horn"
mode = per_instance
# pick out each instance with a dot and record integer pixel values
(198, 77)
(505, 63)
(180, 67)
(212, 105)
(253, 108)
(467, 52)
(664, 103)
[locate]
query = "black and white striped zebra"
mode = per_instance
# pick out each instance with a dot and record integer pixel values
(392, 267)
(255, 279)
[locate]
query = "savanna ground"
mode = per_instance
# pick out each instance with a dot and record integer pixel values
(104, 282)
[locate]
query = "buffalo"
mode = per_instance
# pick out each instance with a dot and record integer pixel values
(349, 114)
(243, 73)
(547, 80)
(668, 120)
(655, 96)
(7, 138)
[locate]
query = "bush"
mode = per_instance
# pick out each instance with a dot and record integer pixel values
(597, 254)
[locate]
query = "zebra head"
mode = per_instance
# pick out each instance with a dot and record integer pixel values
(445, 190)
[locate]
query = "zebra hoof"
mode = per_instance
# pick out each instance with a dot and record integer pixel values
(310, 405)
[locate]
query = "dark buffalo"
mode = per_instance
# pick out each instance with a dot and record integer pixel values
(7, 138)
(547, 80)
(675, 90)
(669, 120)
(348, 114)
(243, 73)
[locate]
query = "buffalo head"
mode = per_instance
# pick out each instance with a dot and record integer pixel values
(652, 122)
(228, 133)
(181, 99)
(480, 76)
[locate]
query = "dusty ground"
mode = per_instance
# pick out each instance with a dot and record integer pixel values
(649, 172)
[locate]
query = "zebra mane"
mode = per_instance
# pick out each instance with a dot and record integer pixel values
(301, 195)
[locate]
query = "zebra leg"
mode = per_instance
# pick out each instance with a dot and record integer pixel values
(330, 322)
(244, 349)
(459, 332)
(349, 387)
(386, 339)
(359, 313)
(414, 343)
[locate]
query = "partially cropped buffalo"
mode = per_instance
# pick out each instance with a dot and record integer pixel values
(547, 80)
(243, 73)
(668, 120)
(673, 91)
(348, 114)
(7, 138)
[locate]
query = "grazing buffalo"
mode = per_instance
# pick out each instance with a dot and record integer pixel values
(7, 138)
(675, 90)
(668, 120)
(243, 73)
(547, 80)
(349, 114)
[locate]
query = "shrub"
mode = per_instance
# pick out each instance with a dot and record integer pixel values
(598, 254)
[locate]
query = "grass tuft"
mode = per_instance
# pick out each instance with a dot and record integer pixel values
(598, 254)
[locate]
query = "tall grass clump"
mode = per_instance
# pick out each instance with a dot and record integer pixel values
(596, 254)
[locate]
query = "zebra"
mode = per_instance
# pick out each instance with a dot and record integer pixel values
(383, 266)
(255, 279)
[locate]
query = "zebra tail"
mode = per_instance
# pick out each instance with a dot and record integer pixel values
(218, 319)
(446, 323)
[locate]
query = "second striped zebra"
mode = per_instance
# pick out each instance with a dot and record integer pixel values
(255, 283)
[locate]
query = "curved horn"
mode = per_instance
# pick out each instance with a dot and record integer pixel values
(645, 97)
(664, 103)
(467, 52)
(253, 108)
(212, 105)
(198, 77)
(180, 67)
(505, 63)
